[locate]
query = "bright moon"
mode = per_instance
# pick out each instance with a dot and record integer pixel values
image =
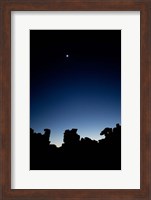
(67, 55)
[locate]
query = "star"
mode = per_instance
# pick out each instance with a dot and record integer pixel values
(67, 55)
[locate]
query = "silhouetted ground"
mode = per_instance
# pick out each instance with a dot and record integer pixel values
(76, 153)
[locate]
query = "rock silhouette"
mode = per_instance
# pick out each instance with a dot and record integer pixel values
(71, 137)
(76, 153)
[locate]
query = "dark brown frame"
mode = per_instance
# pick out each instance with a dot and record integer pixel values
(6, 6)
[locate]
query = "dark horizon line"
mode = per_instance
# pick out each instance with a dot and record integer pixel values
(106, 131)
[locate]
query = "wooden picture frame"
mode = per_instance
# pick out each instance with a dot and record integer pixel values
(6, 6)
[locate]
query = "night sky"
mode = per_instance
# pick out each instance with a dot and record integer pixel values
(75, 81)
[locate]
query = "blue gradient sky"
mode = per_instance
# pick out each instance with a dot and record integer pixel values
(81, 91)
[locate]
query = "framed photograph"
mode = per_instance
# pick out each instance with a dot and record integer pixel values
(76, 82)
(75, 100)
